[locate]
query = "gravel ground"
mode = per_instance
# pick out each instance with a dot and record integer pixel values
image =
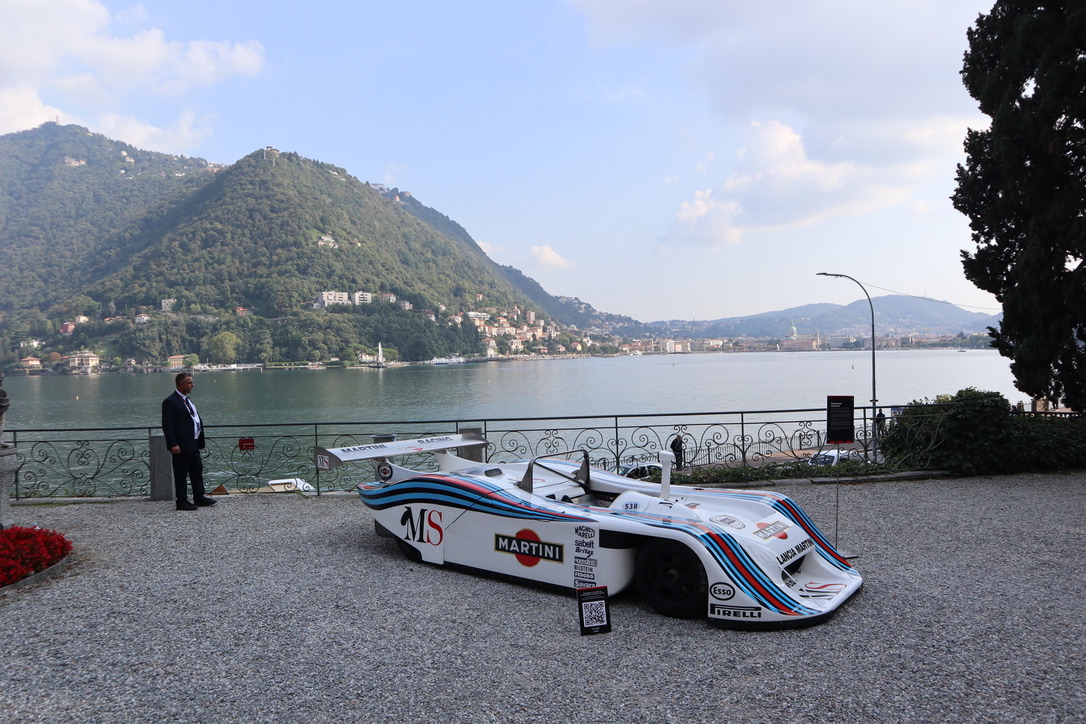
(280, 608)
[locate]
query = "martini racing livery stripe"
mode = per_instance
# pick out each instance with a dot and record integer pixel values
(734, 560)
(785, 506)
(455, 491)
(789, 509)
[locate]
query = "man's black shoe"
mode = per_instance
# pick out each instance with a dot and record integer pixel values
(204, 501)
(185, 505)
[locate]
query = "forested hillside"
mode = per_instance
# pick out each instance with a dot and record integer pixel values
(273, 230)
(63, 192)
(94, 228)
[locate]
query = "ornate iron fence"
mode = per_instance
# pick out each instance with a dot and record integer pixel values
(107, 462)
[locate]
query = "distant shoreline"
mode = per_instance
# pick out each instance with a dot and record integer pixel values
(331, 365)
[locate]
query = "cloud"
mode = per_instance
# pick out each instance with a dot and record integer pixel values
(844, 108)
(494, 251)
(188, 131)
(703, 165)
(393, 172)
(628, 92)
(707, 221)
(547, 258)
(21, 108)
(62, 58)
(777, 186)
(831, 60)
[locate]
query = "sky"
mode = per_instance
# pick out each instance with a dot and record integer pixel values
(661, 159)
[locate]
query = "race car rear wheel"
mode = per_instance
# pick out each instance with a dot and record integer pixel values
(671, 579)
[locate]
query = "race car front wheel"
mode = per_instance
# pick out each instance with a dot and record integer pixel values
(671, 579)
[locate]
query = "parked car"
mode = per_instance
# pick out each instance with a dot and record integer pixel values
(835, 457)
(639, 471)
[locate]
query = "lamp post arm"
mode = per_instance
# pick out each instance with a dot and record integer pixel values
(871, 306)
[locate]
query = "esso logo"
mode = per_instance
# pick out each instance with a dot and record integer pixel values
(722, 591)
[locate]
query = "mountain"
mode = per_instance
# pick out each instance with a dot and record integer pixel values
(64, 191)
(95, 228)
(894, 314)
(86, 221)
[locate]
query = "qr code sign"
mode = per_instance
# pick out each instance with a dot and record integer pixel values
(594, 613)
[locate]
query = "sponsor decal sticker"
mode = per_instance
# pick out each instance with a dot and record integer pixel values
(584, 571)
(769, 530)
(719, 610)
(821, 590)
(585, 531)
(794, 551)
(384, 470)
(722, 591)
(426, 527)
(729, 520)
(528, 548)
(584, 547)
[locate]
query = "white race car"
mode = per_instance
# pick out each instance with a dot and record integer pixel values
(748, 559)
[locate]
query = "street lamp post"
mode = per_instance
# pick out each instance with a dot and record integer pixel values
(874, 398)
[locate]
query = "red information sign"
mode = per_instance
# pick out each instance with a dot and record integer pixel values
(246, 443)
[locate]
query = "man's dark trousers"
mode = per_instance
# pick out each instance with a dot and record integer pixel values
(191, 465)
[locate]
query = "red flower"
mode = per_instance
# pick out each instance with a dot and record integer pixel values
(24, 551)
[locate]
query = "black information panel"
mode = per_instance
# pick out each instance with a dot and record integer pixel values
(840, 423)
(595, 610)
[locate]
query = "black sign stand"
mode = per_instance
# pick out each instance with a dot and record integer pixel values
(840, 430)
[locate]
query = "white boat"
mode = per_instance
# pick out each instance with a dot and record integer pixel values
(290, 485)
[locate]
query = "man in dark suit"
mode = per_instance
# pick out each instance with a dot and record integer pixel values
(184, 433)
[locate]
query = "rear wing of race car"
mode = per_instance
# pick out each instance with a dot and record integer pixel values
(331, 458)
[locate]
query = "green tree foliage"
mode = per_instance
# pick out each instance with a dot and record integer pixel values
(976, 433)
(269, 233)
(223, 347)
(63, 192)
(313, 336)
(1023, 187)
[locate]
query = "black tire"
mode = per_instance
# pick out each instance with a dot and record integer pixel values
(671, 579)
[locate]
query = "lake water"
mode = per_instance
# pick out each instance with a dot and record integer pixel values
(723, 382)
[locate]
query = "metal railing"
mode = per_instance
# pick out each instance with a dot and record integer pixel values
(107, 462)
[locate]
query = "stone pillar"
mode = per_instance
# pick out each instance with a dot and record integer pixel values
(8, 466)
(161, 468)
(472, 453)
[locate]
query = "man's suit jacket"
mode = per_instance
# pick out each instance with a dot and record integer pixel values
(177, 425)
